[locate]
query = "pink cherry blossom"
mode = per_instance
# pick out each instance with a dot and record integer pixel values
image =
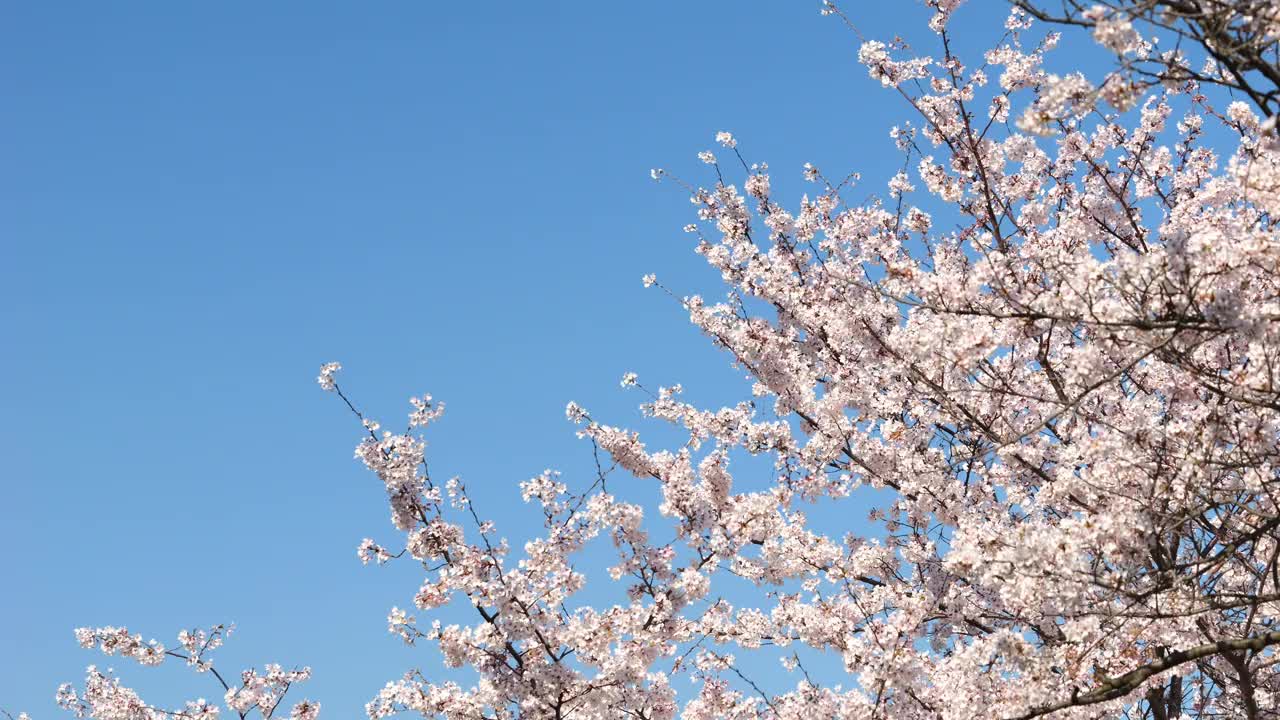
(1047, 357)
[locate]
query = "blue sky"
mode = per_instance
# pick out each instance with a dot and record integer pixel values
(200, 203)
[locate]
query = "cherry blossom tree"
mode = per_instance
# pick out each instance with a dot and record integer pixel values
(1048, 352)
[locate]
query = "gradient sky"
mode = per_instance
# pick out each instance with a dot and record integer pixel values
(202, 202)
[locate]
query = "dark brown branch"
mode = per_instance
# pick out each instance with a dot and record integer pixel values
(1132, 680)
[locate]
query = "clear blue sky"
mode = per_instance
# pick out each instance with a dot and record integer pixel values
(202, 202)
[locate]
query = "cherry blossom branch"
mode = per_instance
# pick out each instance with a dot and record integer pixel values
(1123, 685)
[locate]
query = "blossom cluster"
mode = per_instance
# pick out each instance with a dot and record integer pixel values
(104, 697)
